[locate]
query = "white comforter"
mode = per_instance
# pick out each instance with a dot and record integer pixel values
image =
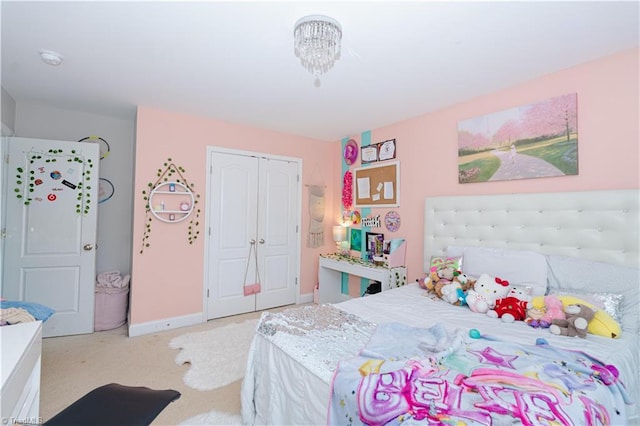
(280, 389)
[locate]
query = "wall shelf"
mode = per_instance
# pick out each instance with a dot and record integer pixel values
(171, 202)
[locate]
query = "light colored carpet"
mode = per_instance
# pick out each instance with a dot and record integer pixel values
(75, 365)
(216, 357)
(213, 418)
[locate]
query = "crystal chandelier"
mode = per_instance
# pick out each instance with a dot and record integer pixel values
(317, 43)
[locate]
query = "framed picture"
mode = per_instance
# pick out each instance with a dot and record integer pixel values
(356, 239)
(529, 141)
(387, 150)
(375, 243)
(369, 154)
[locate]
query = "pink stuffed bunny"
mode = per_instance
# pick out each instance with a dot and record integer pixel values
(554, 310)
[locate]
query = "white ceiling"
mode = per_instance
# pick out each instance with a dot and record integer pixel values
(234, 60)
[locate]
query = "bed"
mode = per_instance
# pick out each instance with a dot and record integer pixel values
(589, 242)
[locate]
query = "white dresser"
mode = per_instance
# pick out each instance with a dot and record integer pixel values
(21, 348)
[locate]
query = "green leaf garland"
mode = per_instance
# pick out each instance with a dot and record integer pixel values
(163, 176)
(25, 185)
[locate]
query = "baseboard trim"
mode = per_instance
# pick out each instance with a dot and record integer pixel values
(164, 324)
(305, 298)
(184, 321)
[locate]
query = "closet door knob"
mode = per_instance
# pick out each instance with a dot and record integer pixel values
(252, 241)
(261, 241)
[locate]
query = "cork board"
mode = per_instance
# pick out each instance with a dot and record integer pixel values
(377, 186)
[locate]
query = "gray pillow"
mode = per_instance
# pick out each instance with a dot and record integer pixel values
(569, 273)
(521, 268)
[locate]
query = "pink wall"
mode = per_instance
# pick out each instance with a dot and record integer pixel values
(608, 133)
(167, 279)
(608, 122)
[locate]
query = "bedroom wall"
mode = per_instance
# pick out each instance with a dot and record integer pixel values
(7, 112)
(608, 131)
(167, 278)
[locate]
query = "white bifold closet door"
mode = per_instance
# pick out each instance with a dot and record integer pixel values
(253, 211)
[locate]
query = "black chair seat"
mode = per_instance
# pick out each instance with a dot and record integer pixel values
(115, 405)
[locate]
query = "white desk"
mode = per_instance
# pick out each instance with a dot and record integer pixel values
(21, 361)
(330, 276)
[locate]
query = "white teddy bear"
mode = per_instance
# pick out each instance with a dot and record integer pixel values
(485, 292)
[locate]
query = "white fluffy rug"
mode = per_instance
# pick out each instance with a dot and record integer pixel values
(213, 418)
(217, 357)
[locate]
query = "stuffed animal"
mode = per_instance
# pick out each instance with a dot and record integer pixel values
(513, 307)
(466, 282)
(578, 317)
(602, 323)
(534, 315)
(445, 274)
(485, 292)
(554, 309)
(440, 278)
(432, 282)
(442, 268)
(425, 282)
(453, 293)
(452, 290)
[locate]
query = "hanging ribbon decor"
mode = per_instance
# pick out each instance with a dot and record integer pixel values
(315, 238)
(347, 190)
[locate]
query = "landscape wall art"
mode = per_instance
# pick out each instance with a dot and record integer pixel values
(531, 141)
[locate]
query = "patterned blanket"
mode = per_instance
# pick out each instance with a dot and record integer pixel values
(409, 375)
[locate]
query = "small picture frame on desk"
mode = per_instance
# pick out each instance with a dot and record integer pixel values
(375, 243)
(386, 247)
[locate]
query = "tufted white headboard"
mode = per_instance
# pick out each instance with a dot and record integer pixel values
(595, 225)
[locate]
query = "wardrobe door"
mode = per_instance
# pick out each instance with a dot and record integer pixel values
(254, 233)
(233, 209)
(278, 233)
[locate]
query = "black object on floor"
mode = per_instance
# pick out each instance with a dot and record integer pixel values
(115, 405)
(374, 287)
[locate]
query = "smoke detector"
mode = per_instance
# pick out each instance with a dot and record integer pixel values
(51, 58)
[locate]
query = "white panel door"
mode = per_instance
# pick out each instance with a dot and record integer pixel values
(277, 233)
(49, 255)
(253, 208)
(232, 207)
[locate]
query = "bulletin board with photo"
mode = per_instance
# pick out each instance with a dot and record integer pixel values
(377, 185)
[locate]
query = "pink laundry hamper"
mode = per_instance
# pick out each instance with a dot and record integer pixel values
(111, 307)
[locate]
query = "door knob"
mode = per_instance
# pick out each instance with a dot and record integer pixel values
(261, 241)
(87, 247)
(252, 241)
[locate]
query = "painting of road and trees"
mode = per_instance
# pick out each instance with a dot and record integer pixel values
(529, 141)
